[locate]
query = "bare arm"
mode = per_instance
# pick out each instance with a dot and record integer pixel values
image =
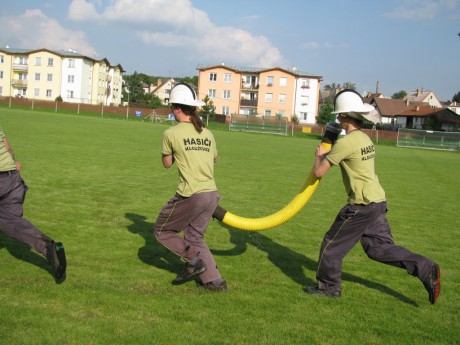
(167, 160)
(321, 165)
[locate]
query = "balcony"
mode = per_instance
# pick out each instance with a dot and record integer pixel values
(250, 86)
(248, 102)
(20, 67)
(18, 82)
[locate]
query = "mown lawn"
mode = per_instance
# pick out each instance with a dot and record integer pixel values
(97, 184)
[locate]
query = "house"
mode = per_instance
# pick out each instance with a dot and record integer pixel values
(163, 89)
(414, 114)
(423, 96)
(47, 74)
(261, 91)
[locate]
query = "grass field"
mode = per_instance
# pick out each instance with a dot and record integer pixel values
(98, 184)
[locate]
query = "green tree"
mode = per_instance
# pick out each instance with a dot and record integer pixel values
(399, 95)
(208, 110)
(295, 121)
(349, 85)
(324, 115)
(332, 86)
(456, 97)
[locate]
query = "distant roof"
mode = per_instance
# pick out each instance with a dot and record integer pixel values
(417, 96)
(62, 53)
(293, 71)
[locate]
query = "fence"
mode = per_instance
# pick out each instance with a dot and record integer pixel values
(260, 124)
(428, 139)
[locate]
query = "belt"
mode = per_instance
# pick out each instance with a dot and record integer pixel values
(9, 172)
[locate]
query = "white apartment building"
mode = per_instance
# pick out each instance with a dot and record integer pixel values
(46, 74)
(257, 91)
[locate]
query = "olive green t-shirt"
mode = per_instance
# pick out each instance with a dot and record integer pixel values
(6, 161)
(355, 154)
(194, 154)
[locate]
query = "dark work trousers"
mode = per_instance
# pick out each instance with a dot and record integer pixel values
(368, 224)
(12, 194)
(191, 215)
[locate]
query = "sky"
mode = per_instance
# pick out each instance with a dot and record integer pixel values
(401, 44)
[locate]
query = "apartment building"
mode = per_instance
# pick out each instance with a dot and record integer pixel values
(257, 91)
(47, 74)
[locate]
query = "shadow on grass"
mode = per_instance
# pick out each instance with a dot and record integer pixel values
(153, 252)
(23, 252)
(292, 263)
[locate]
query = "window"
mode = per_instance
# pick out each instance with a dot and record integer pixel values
(70, 79)
(36, 92)
(305, 100)
(212, 76)
(23, 60)
(49, 77)
(281, 113)
(305, 84)
(268, 113)
(71, 63)
(22, 76)
(1, 90)
(50, 62)
(48, 93)
(282, 98)
(69, 94)
(38, 61)
(2, 58)
(283, 81)
(1, 74)
(270, 81)
(303, 116)
(226, 94)
(227, 78)
(37, 76)
(268, 97)
(225, 111)
(212, 93)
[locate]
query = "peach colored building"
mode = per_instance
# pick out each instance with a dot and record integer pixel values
(258, 91)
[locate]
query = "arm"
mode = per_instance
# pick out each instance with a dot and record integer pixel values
(322, 165)
(10, 150)
(167, 160)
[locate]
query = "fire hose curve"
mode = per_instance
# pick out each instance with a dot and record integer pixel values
(275, 219)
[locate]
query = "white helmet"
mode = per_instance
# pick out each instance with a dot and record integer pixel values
(183, 93)
(351, 103)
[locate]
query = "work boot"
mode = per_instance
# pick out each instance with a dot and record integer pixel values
(55, 255)
(314, 290)
(433, 284)
(190, 271)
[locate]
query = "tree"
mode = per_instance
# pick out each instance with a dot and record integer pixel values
(208, 110)
(295, 121)
(399, 95)
(456, 97)
(324, 115)
(349, 85)
(332, 86)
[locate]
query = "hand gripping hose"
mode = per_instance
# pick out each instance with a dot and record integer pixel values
(300, 200)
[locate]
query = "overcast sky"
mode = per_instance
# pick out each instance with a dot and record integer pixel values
(403, 44)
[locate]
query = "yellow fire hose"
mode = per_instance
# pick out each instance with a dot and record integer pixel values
(291, 209)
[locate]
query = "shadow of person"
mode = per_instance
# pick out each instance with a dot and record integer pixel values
(291, 263)
(153, 252)
(23, 252)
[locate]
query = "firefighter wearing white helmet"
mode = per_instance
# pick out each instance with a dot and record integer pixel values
(193, 148)
(363, 218)
(351, 103)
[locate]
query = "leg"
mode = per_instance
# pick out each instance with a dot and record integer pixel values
(11, 211)
(194, 235)
(378, 244)
(344, 233)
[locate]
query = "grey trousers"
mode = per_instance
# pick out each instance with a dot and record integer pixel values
(192, 216)
(12, 223)
(368, 224)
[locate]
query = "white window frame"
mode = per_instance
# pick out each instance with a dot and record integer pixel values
(270, 80)
(70, 78)
(49, 93)
(212, 76)
(227, 77)
(267, 112)
(282, 98)
(37, 92)
(226, 94)
(38, 61)
(225, 110)
(49, 77)
(268, 97)
(50, 62)
(283, 81)
(212, 93)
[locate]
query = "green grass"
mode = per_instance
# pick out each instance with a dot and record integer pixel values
(97, 184)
